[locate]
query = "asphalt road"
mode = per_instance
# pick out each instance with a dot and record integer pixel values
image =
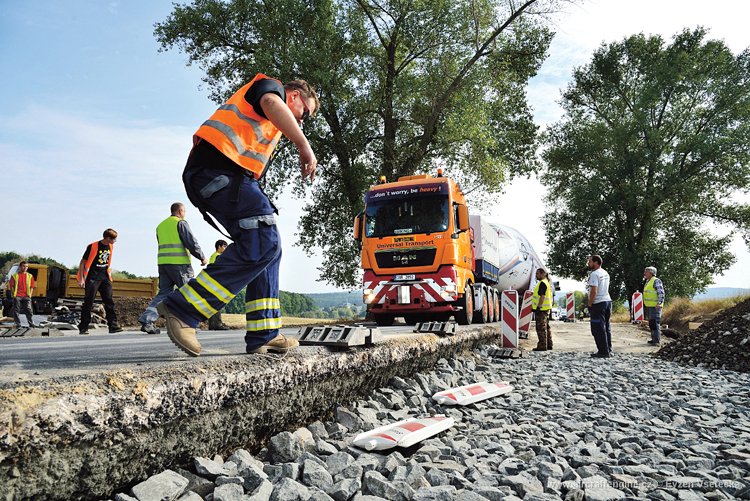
(24, 359)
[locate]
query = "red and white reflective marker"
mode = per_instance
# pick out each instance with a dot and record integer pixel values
(526, 312)
(465, 395)
(403, 433)
(509, 318)
(637, 307)
(570, 306)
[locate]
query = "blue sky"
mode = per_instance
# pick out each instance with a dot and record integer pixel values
(96, 124)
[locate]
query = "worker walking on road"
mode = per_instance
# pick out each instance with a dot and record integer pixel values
(215, 323)
(176, 244)
(653, 301)
(94, 275)
(21, 287)
(541, 303)
(600, 307)
(231, 153)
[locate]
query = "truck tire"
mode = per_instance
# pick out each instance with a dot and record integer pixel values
(496, 300)
(384, 320)
(482, 315)
(491, 304)
(466, 315)
(412, 319)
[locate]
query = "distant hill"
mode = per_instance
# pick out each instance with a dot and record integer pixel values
(334, 299)
(721, 293)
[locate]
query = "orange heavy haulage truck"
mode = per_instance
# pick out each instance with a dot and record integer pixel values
(418, 254)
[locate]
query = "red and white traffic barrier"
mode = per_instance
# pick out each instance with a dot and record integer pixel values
(526, 311)
(570, 306)
(465, 395)
(509, 318)
(403, 433)
(637, 303)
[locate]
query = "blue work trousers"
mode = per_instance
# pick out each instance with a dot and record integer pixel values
(653, 314)
(600, 328)
(238, 203)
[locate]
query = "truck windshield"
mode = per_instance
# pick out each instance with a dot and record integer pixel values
(425, 214)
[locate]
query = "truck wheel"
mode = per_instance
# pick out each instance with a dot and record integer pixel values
(465, 316)
(384, 320)
(482, 315)
(411, 319)
(496, 300)
(491, 304)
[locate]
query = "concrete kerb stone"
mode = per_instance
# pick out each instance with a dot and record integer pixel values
(109, 429)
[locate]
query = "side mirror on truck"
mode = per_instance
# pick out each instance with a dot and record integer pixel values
(358, 227)
(463, 218)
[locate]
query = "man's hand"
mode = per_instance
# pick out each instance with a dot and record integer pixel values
(308, 162)
(204, 262)
(82, 283)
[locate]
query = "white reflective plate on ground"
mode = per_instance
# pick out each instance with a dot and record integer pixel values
(470, 393)
(403, 433)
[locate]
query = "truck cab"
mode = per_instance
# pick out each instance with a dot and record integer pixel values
(417, 251)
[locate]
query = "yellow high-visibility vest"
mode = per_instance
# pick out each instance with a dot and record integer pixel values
(546, 303)
(650, 296)
(171, 248)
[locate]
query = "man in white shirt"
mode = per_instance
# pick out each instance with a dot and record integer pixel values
(600, 307)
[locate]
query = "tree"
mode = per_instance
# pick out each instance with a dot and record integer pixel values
(403, 85)
(645, 162)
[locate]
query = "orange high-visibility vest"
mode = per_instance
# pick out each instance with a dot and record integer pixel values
(90, 260)
(243, 136)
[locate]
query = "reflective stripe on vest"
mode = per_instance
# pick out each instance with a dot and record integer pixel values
(171, 248)
(650, 296)
(547, 301)
(29, 281)
(243, 136)
(83, 273)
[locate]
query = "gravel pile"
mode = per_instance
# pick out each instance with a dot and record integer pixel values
(574, 428)
(722, 343)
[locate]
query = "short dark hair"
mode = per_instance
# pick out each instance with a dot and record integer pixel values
(307, 91)
(22, 263)
(597, 259)
(220, 243)
(109, 233)
(175, 207)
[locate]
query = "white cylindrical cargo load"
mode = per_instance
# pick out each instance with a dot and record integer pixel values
(403, 433)
(470, 393)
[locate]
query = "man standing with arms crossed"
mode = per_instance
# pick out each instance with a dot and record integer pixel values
(176, 244)
(230, 155)
(653, 301)
(21, 287)
(600, 307)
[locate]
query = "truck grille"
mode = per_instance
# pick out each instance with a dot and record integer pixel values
(405, 258)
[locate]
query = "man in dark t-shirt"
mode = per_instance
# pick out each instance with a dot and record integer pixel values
(94, 276)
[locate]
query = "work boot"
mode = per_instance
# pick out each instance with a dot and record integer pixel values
(150, 329)
(115, 329)
(279, 344)
(539, 349)
(84, 332)
(180, 333)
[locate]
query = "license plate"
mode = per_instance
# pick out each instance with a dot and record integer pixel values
(401, 278)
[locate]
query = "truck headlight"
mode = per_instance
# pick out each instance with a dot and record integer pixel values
(368, 296)
(450, 288)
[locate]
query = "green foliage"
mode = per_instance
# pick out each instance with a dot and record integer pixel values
(403, 85)
(647, 159)
(292, 304)
(236, 305)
